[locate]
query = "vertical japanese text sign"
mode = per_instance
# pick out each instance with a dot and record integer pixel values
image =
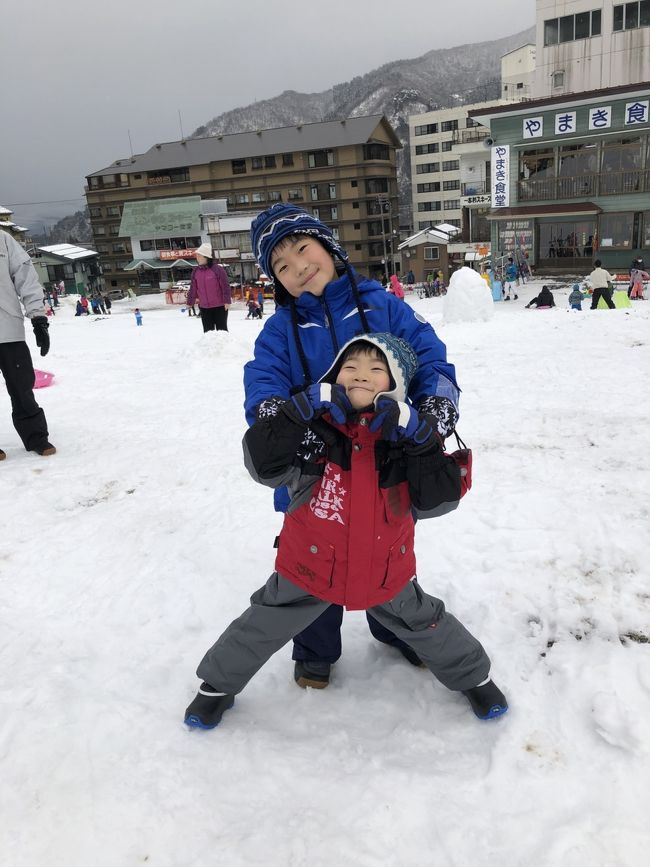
(501, 176)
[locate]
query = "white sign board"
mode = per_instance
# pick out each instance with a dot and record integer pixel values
(501, 176)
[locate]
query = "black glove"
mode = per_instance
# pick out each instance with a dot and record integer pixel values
(40, 326)
(444, 413)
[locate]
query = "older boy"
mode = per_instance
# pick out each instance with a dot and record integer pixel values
(322, 303)
(347, 537)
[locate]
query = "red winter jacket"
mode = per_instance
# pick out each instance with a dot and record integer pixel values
(348, 534)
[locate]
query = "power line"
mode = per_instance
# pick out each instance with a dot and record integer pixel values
(48, 202)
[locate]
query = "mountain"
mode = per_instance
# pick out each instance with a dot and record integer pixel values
(441, 78)
(73, 229)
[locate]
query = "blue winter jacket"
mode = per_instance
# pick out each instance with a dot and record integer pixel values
(325, 324)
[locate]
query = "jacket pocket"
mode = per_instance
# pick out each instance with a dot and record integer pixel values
(400, 563)
(309, 563)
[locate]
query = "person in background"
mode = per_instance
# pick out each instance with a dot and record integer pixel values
(84, 303)
(637, 265)
(260, 301)
(102, 303)
(575, 297)
(410, 277)
(637, 276)
(396, 287)
(512, 280)
(20, 291)
(544, 299)
(210, 285)
(138, 316)
(602, 282)
(108, 303)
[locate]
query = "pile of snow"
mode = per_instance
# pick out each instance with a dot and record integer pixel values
(468, 298)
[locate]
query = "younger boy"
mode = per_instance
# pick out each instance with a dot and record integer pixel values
(347, 536)
(322, 303)
(575, 297)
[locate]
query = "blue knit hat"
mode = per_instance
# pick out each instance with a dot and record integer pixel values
(400, 355)
(281, 220)
(576, 286)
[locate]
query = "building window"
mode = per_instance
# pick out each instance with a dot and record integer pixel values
(616, 230)
(241, 198)
(275, 196)
(315, 213)
(294, 195)
(269, 162)
(357, 226)
(93, 183)
(431, 254)
(470, 122)
(120, 247)
(431, 148)
(238, 167)
(426, 129)
(354, 184)
(114, 230)
(147, 245)
(355, 206)
(426, 168)
(375, 248)
(332, 191)
(256, 164)
(287, 159)
(99, 230)
(571, 27)
(447, 145)
(451, 166)
(95, 212)
(558, 78)
(163, 244)
(646, 229)
(448, 125)
(429, 188)
(450, 185)
(428, 206)
(318, 159)
(451, 204)
(376, 151)
(102, 248)
(258, 197)
(112, 211)
(629, 16)
(335, 233)
(376, 185)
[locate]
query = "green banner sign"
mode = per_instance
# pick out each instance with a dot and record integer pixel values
(161, 217)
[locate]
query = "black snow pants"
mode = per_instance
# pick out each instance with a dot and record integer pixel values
(18, 371)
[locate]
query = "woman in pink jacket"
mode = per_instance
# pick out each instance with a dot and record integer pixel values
(396, 287)
(211, 288)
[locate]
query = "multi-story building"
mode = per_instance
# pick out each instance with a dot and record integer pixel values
(584, 45)
(342, 171)
(518, 72)
(571, 178)
(8, 225)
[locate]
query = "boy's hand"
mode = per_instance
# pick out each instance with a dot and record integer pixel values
(397, 421)
(317, 399)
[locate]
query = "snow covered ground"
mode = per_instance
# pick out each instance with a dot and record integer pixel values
(124, 556)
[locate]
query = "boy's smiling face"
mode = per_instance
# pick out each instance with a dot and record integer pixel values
(302, 264)
(364, 374)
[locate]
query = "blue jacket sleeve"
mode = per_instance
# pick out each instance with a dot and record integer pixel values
(435, 375)
(268, 374)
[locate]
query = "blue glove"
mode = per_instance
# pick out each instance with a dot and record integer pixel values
(319, 398)
(398, 421)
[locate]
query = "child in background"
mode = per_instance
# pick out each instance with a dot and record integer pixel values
(138, 316)
(347, 537)
(576, 296)
(512, 280)
(637, 276)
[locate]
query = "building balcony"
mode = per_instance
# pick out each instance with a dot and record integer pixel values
(584, 186)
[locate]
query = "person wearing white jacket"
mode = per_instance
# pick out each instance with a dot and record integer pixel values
(601, 282)
(21, 291)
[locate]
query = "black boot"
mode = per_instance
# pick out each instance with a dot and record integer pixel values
(208, 707)
(487, 700)
(311, 673)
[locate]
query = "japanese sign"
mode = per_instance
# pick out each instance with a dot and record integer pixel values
(514, 234)
(156, 217)
(600, 118)
(636, 112)
(501, 176)
(176, 254)
(482, 199)
(533, 127)
(565, 123)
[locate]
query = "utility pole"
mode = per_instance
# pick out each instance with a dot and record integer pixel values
(384, 207)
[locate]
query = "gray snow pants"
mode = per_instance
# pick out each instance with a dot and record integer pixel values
(280, 609)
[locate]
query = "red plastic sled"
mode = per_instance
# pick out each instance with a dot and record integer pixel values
(43, 378)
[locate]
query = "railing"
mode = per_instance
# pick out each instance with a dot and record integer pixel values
(583, 186)
(475, 188)
(470, 135)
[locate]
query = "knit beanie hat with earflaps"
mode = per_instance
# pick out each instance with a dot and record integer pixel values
(400, 356)
(280, 221)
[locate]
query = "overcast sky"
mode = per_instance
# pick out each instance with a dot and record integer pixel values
(79, 74)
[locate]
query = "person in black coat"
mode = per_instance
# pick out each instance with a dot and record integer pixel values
(544, 299)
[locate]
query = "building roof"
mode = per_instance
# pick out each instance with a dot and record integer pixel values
(4, 210)
(438, 234)
(68, 251)
(159, 264)
(301, 137)
(561, 101)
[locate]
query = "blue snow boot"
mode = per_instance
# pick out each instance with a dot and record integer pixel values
(208, 707)
(311, 673)
(487, 700)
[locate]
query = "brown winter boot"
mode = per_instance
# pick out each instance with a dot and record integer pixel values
(46, 449)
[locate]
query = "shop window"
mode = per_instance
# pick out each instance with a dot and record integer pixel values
(566, 239)
(615, 230)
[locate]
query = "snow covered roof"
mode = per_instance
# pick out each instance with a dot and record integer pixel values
(68, 251)
(159, 264)
(437, 234)
(4, 210)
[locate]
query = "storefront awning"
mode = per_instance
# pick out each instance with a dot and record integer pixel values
(553, 209)
(159, 264)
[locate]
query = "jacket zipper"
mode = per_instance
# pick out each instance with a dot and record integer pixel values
(330, 326)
